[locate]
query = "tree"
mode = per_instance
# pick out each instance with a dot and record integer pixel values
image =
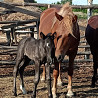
(64, 1)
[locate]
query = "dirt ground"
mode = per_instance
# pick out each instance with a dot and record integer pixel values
(81, 80)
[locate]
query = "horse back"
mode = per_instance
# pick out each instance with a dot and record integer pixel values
(46, 20)
(91, 32)
(93, 21)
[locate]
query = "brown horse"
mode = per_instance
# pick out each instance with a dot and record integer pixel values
(64, 23)
(91, 35)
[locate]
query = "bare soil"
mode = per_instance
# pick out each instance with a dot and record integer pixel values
(81, 82)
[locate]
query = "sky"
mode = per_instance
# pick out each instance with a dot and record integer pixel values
(75, 2)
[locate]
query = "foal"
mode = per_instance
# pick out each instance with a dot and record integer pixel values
(41, 51)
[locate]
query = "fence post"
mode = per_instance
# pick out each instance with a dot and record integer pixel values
(8, 38)
(89, 11)
(48, 5)
(32, 34)
(37, 27)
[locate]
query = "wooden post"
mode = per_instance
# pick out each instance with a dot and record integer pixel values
(13, 35)
(48, 5)
(89, 11)
(37, 27)
(8, 38)
(32, 34)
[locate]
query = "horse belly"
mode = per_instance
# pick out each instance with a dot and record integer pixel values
(89, 34)
(92, 39)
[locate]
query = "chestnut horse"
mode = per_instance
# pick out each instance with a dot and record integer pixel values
(64, 23)
(91, 35)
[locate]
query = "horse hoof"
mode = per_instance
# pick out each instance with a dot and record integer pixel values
(42, 79)
(92, 85)
(50, 96)
(23, 90)
(14, 93)
(54, 96)
(70, 94)
(59, 83)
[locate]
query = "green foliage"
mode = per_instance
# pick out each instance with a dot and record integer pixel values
(43, 8)
(82, 16)
(35, 1)
(85, 10)
(80, 10)
(95, 10)
(63, 2)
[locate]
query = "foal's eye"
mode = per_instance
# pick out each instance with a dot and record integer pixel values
(48, 44)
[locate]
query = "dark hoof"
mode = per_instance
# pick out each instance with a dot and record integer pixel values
(50, 96)
(93, 85)
(14, 93)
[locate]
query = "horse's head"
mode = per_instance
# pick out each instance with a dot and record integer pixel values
(49, 46)
(66, 27)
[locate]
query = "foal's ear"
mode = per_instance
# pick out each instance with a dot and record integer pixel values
(54, 35)
(42, 35)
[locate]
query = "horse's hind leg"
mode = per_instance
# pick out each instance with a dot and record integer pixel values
(25, 62)
(37, 78)
(95, 66)
(15, 72)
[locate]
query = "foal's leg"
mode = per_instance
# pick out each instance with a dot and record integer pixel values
(55, 76)
(59, 83)
(21, 70)
(95, 66)
(43, 74)
(15, 72)
(70, 73)
(37, 78)
(48, 76)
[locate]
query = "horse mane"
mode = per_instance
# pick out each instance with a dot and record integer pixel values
(64, 11)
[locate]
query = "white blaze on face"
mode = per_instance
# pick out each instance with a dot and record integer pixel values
(47, 44)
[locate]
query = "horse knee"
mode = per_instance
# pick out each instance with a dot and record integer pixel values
(48, 79)
(55, 73)
(15, 71)
(36, 80)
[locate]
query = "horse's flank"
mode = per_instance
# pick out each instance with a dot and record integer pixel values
(92, 22)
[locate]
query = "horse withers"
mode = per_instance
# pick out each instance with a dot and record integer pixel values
(64, 23)
(41, 51)
(91, 35)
